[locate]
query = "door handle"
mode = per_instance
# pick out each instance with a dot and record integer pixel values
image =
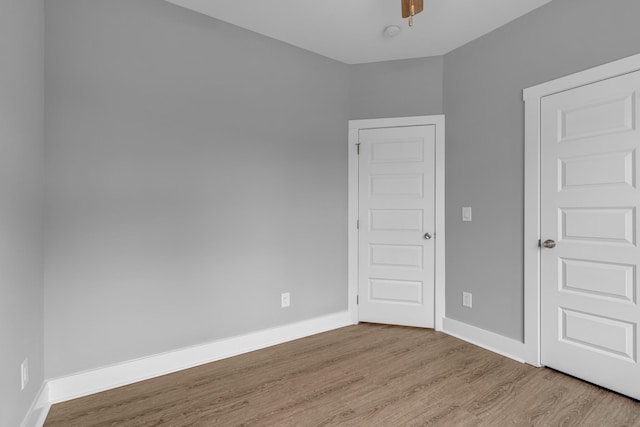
(427, 236)
(549, 244)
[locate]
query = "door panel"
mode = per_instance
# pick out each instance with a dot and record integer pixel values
(395, 220)
(614, 225)
(598, 279)
(590, 318)
(605, 169)
(396, 209)
(396, 186)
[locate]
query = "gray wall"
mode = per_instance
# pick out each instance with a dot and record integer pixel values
(195, 171)
(21, 154)
(411, 87)
(485, 142)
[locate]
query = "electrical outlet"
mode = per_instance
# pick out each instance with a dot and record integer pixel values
(285, 299)
(24, 373)
(467, 299)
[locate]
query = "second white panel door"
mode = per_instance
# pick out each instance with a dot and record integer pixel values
(590, 316)
(396, 233)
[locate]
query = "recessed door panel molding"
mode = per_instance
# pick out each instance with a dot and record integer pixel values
(599, 279)
(402, 256)
(610, 225)
(602, 170)
(598, 333)
(588, 206)
(397, 185)
(598, 118)
(396, 243)
(410, 150)
(405, 292)
(408, 220)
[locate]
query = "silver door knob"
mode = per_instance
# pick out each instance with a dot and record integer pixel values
(427, 236)
(550, 244)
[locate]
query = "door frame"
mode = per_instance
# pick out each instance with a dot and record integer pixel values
(439, 280)
(532, 99)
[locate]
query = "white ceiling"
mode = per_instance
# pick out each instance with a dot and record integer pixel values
(351, 30)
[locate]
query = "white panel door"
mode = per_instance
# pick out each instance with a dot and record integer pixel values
(590, 318)
(396, 232)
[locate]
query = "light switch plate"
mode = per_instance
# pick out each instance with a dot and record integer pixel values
(466, 213)
(24, 373)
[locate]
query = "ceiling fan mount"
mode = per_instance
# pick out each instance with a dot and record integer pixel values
(410, 8)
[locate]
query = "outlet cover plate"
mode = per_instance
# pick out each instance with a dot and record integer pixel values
(285, 299)
(467, 299)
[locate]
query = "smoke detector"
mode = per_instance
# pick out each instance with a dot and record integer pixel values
(391, 31)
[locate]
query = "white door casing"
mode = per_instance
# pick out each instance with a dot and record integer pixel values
(581, 190)
(396, 225)
(396, 194)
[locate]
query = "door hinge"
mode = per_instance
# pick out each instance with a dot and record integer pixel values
(358, 224)
(357, 299)
(539, 243)
(358, 148)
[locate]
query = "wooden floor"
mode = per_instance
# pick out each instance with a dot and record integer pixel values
(364, 375)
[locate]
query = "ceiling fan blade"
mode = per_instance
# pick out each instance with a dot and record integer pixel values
(406, 7)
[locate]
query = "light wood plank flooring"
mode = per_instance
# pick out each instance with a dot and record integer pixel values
(364, 375)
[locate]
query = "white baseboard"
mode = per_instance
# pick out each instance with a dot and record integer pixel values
(39, 409)
(491, 341)
(94, 381)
